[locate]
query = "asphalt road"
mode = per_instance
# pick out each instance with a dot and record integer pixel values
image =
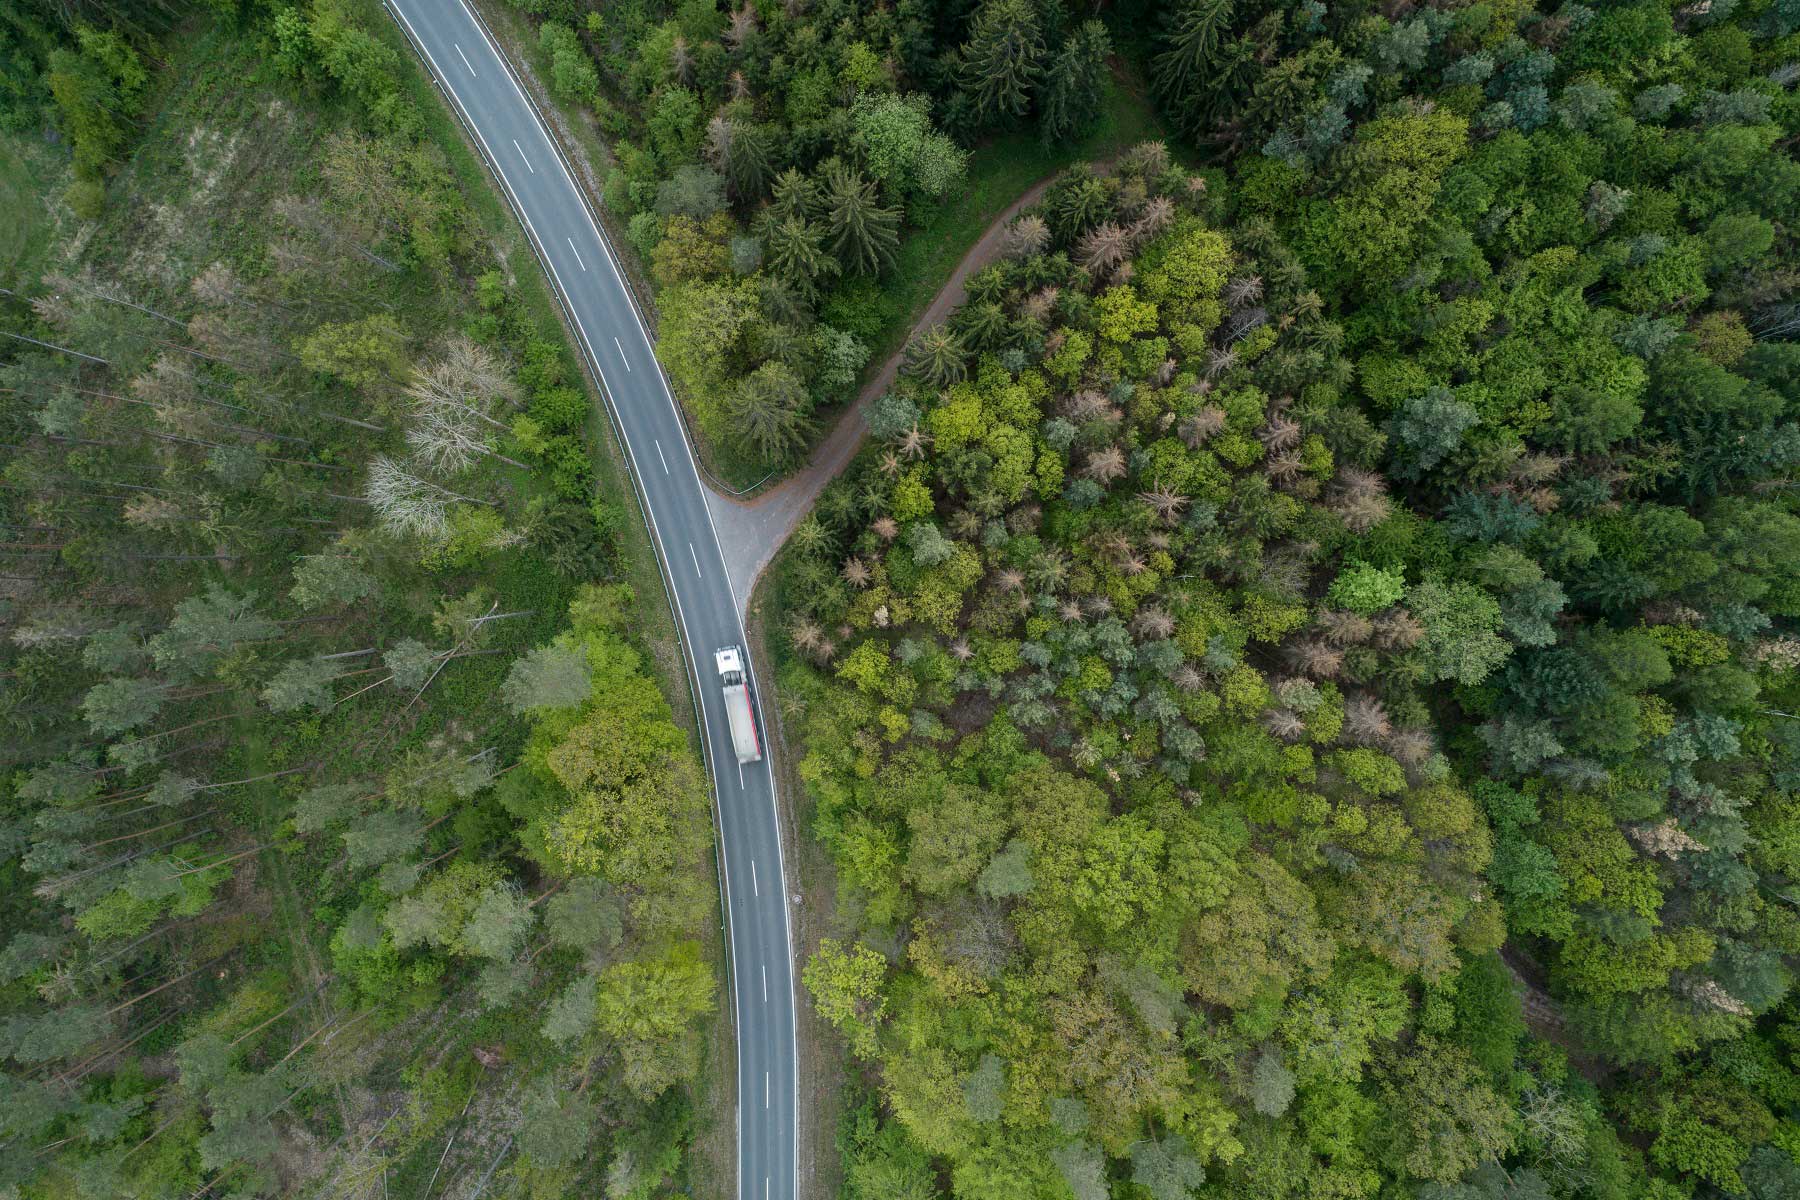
(480, 84)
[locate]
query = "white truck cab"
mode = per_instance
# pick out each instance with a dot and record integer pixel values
(730, 661)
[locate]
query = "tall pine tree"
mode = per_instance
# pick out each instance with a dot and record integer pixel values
(1001, 62)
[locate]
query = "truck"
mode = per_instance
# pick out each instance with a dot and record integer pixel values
(730, 661)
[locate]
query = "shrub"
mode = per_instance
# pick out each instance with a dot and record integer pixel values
(572, 74)
(1362, 588)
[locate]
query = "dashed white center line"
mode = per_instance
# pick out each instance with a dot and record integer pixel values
(754, 886)
(767, 1094)
(578, 261)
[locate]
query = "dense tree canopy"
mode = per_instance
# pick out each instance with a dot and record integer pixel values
(1300, 693)
(343, 812)
(771, 161)
(1301, 680)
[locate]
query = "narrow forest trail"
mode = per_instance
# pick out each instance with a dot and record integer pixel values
(753, 530)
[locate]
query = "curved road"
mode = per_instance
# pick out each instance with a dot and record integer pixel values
(480, 84)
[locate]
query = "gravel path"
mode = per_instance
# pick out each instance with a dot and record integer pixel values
(751, 531)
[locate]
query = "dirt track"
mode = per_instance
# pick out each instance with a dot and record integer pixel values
(752, 531)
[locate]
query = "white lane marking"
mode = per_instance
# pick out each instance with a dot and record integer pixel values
(765, 1089)
(578, 261)
(696, 558)
(787, 927)
(621, 351)
(754, 886)
(765, 974)
(465, 59)
(528, 165)
(659, 454)
(740, 777)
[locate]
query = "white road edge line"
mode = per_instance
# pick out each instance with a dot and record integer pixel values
(527, 161)
(696, 558)
(578, 261)
(659, 454)
(787, 927)
(621, 351)
(465, 58)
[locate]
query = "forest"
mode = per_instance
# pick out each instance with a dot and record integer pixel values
(1299, 694)
(771, 161)
(1299, 691)
(350, 843)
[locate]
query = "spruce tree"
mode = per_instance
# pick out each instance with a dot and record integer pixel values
(1002, 61)
(1192, 45)
(864, 236)
(1074, 86)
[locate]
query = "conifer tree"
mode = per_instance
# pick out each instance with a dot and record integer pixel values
(864, 236)
(1002, 62)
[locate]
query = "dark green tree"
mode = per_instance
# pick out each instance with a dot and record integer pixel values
(768, 408)
(1074, 85)
(794, 252)
(863, 235)
(555, 1124)
(1183, 71)
(937, 356)
(1001, 63)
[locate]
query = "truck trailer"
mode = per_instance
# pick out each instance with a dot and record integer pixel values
(730, 660)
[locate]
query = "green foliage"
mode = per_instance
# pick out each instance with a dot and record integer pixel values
(768, 409)
(1462, 624)
(572, 73)
(615, 790)
(1364, 589)
(1074, 83)
(651, 1009)
(555, 1126)
(862, 236)
(98, 88)
(1400, 480)
(362, 353)
(810, 145)
(846, 987)
(1002, 62)
(260, 723)
(1140, 761)
(912, 161)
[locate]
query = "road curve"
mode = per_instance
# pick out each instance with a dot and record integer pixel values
(482, 89)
